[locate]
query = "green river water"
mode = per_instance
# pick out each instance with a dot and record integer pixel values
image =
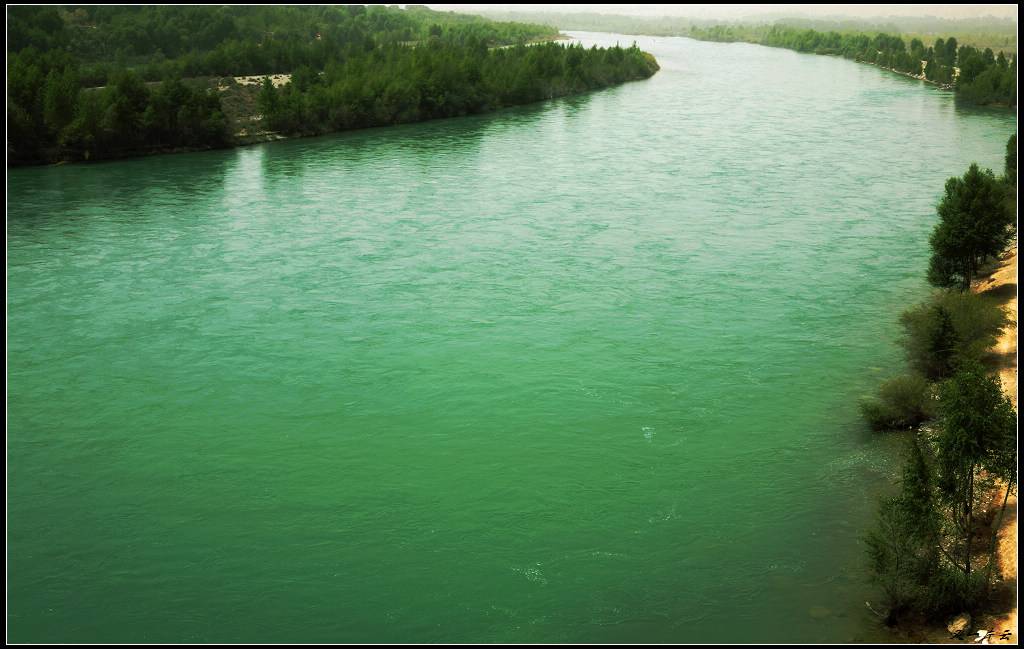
(580, 371)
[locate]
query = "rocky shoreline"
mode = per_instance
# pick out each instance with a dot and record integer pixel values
(920, 77)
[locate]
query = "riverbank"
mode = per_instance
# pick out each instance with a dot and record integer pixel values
(1003, 284)
(1000, 617)
(949, 87)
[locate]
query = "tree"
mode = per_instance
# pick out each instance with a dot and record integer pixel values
(60, 99)
(1011, 159)
(950, 328)
(951, 51)
(979, 433)
(128, 99)
(902, 554)
(974, 224)
(920, 545)
(270, 103)
(972, 64)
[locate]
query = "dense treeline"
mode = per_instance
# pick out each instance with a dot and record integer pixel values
(991, 31)
(93, 82)
(984, 77)
(926, 548)
(161, 41)
(51, 117)
(393, 85)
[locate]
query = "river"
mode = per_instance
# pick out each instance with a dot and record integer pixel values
(584, 371)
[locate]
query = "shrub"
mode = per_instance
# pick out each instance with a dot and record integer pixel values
(903, 402)
(950, 591)
(949, 329)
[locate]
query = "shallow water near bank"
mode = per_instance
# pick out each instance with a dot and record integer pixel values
(581, 371)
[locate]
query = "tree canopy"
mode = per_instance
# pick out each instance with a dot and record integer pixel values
(92, 82)
(395, 85)
(974, 224)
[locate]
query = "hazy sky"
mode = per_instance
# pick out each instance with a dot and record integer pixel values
(739, 11)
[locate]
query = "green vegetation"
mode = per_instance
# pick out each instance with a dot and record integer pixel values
(923, 548)
(948, 329)
(902, 555)
(997, 33)
(96, 82)
(442, 79)
(903, 402)
(984, 78)
(974, 224)
(984, 49)
(191, 41)
(978, 443)
(1010, 168)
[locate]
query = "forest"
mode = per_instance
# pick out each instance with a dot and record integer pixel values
(87, 83)
(441, 79)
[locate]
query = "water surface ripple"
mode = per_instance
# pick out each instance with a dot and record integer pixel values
(582, 371)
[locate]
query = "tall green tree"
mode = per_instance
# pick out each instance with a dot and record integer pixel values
(128, 98)
(270, 103)
(978, 434)
(60, 100)
(900, 544)
(1010, 167)
(974, 224)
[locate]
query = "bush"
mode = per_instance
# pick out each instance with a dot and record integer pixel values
(949, 329)
(950, 591)
(903, 402)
